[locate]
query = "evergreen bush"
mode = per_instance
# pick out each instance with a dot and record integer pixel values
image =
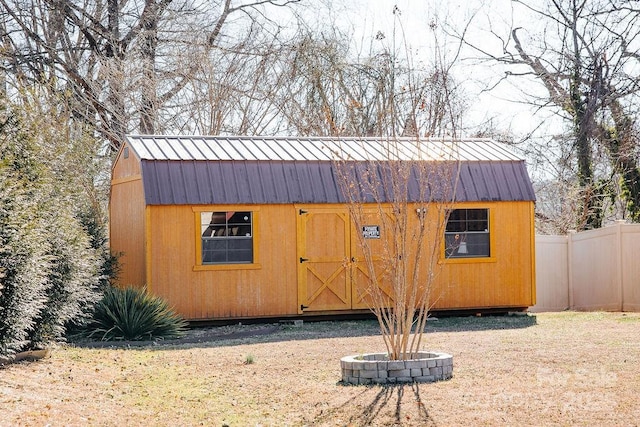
(49, 270)
(22, 265)
(71, 281)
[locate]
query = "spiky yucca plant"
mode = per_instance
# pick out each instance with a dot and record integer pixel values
(133, 314)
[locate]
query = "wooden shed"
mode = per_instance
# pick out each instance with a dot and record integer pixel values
(251, 227)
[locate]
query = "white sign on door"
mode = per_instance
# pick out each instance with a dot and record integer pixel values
(371, 231)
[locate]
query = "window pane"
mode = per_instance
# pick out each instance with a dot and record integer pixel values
(226, 237)
(238, 256)
(240, 224)
(477, 220)
(213, 224)
(467, 234)
(236, 244)
(478, 244)
(452, 243)
(456, 221)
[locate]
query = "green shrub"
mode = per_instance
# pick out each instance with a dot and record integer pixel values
(71, 283)
(133, 314)
(23, 264)
(51, 264)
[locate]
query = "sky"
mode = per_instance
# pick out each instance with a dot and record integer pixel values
(411, 22)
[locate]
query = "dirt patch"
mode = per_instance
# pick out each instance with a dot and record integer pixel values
(551, 369)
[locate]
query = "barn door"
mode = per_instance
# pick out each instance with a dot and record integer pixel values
(378, 241)
(324, 250)
(332, 272)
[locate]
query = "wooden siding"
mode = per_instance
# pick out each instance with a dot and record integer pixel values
(127, 219)
(507, 278)
(126, 165)
(270, 286)
(209, 292)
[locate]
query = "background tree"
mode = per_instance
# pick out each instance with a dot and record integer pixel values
(141, 66)
(333, 90)
(578, 54)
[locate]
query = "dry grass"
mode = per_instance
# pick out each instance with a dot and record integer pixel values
(548, 369)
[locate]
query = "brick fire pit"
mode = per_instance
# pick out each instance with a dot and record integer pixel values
(376, 368)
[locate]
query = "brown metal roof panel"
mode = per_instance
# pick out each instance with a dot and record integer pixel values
(298, 181)
(297, 190)
(203, 177)
(494, 181)
(258, 191)
(486, 173)
(508, 182)
(512, 181)
(323, 187)
(475, 181)
(155, 178)
(262, 182)
(465, 190)
(523, 181)
(179, 191)
(275, 183)
(485, 182)
(252, 184)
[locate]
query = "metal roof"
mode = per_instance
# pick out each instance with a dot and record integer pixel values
(154, 147)
(274, 170)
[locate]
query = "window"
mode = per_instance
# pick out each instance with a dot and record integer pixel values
(227, 237)
(467, 234)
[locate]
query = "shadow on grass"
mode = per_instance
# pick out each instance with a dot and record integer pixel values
(264, 333)
(483, 323)
(387, 403)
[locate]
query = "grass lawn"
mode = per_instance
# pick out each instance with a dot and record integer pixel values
(542, 369)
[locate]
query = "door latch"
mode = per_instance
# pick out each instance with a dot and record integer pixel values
(303, 260)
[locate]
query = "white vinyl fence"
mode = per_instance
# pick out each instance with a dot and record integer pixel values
(590, 270)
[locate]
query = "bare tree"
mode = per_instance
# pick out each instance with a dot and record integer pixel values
(128, 64)
(579, 51)
(333, 90)
(403, 181)
(401, 190)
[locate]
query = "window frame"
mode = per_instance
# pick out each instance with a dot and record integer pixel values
(491, 232)
(199, 265)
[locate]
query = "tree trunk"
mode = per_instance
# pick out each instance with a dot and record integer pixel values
(621, 142)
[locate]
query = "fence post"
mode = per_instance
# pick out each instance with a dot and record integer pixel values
(619, 253)
(570, 235)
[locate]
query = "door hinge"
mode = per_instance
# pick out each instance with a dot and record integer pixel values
(303, 260)
(303, 307)
(302, 212)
